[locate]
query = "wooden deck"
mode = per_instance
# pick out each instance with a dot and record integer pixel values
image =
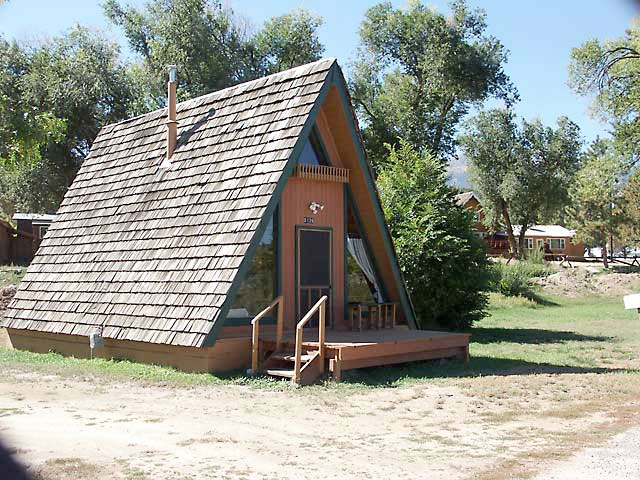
(346, 350)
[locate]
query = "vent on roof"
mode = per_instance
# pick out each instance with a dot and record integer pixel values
(172, 124)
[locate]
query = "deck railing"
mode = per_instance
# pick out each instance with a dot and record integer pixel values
(323, 172)
(255, 335)
(319, 307)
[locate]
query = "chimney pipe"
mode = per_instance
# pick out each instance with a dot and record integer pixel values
(172, 124)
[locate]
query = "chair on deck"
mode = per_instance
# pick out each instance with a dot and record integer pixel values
(372, 315)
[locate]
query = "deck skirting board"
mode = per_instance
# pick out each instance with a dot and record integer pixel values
(458, 352)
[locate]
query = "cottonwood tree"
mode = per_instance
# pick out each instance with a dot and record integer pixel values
(629, 203)
(210, 45)
(418, 72)
(54, 98)
(610, 72)
(443, 262)
(288, 41)
(521, 172)
(595, 208)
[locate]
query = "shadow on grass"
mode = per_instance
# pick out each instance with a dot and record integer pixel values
(540, 300)
(531, 336)
(390, 376)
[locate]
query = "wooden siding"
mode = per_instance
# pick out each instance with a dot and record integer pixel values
(296, 197)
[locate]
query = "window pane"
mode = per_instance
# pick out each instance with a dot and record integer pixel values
(556, 243)
(308, 155)
(315, 258)
(258, 288)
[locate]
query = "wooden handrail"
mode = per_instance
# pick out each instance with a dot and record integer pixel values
(255, 334)
(320, 306)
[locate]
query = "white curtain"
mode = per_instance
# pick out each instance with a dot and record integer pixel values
(359, 253)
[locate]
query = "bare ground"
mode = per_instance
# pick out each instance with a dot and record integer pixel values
(589, 280)
(73, 427)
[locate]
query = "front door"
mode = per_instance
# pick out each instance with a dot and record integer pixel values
(313, 265)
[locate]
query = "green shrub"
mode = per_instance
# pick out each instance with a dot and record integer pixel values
(444, 264)
(516, 279)
(511, 280)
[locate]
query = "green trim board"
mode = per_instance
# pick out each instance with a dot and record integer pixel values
(246, 321)
(373, 195)
(271, 206)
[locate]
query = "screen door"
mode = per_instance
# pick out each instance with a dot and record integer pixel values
(314, 271)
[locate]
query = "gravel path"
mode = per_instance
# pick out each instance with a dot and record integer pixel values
(619, 459)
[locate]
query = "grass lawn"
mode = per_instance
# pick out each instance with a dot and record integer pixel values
(11, 274)
(519, 337)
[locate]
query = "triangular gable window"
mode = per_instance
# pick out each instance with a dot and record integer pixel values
(313, 151)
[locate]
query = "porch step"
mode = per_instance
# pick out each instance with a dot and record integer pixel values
(291, 356)
(280, 372)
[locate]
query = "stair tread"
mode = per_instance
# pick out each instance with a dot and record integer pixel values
(280, 372)
(291, 356)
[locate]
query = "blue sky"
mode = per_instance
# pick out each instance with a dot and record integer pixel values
(539, 34)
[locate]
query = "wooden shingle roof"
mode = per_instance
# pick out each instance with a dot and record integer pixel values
(149, 254)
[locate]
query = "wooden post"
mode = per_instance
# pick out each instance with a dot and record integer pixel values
(255, 347)
(296, 373)
(280, 325)
(321, 332)
(393, 316)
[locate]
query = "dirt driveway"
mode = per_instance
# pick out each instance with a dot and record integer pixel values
(75, 427)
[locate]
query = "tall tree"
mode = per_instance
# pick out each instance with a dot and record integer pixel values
(629, 201)
(209, 44)
(288, 41)
(610, 72)
(444, 263)
(594, 211)
(418, 72)
(522, 172)
(55, 97)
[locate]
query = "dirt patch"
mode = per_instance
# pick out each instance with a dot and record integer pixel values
(91, 428)
(575, 282)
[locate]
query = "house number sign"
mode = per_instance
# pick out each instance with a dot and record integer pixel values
(308, 220)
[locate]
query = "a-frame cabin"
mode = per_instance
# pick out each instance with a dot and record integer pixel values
(237, 229)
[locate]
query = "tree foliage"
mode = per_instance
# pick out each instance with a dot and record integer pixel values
(610, 72)
(594, 210)
(54, 98)
(288, 41)
(418, 73)
(630, 203)
(521, 172)
(443, 262)
(210, 45)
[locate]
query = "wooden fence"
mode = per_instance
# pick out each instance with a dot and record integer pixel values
(16, 246)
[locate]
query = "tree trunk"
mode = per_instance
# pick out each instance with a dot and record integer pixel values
(605, 260)
(523, 230)
(507, 221)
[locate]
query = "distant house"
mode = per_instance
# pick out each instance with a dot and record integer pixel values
(34, 223)
(214, 234)
(470, 201)
(558, 239)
